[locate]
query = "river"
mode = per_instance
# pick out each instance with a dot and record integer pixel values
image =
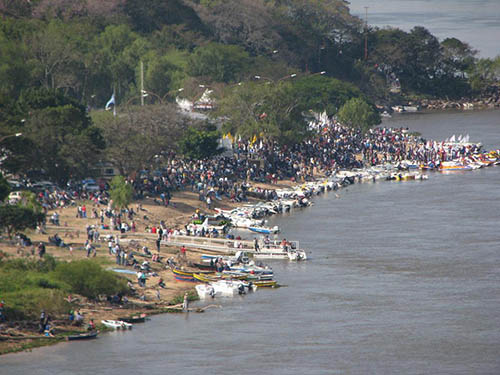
(476, 22)
(403, 278)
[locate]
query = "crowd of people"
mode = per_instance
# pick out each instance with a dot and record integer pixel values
(333, 147)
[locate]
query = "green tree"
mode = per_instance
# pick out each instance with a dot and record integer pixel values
(15, 73)
(243, 108)
(134, 138)
(120, 192)
(320, 30)
(65, 143)
(415, 58)
(113, 60)
(161, 75)
(218, 62)
(458, 57)
(484, 74)
(320, 93)
(4, 188)
(200, 144)
(268, 110)
(147, 16)
(358, 114)
(15, 218)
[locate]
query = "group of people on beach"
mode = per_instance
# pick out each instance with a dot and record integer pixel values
(333, 147)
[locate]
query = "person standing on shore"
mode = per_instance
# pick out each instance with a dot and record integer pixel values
(110, 246)
(41, 250)
(88, 247)
(185, 303)
(42, 321)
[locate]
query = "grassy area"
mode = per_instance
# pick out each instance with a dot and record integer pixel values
(35, 285)
(13, 347)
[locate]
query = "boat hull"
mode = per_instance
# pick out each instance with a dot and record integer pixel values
(83, 336)
(116, 324)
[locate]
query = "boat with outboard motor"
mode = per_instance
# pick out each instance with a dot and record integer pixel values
(290, 254)
(117, 324)
(230, 288)
(265, 230)
(205, 291)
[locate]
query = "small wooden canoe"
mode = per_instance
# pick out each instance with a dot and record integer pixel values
(134, 319)
(83, 336)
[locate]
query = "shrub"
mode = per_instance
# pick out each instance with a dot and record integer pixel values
(47, 264)
(87, 278)
(27, 303)
(178, 299)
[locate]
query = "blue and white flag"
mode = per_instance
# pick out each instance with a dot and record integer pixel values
(110, 102)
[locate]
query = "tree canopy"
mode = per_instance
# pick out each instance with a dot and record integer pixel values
(61, 60)
(88, 47)
(199, 144)
(57, 132)
(15, 218)
(358, 114)
(120, 192)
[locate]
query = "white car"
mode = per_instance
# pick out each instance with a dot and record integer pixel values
(90, 187)
(14, 197)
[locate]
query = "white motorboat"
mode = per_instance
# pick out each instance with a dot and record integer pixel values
(116, 324)
(294, 255)
(230, 288)
(205, 291)
(243, 222)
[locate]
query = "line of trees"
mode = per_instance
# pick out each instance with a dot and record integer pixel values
(88, 47)
(61, 59)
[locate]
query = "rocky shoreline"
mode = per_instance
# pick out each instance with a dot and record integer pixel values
(464, 103)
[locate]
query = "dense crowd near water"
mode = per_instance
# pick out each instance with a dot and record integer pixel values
(334, 147)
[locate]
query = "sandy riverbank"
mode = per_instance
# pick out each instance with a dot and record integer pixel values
(73, 231)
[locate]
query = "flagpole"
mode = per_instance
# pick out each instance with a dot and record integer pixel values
(142, 84)
(114, 105)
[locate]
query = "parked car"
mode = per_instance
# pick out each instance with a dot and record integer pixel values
(14, 197)
(43, 185)
(16, 185)
(91, 187)
(88, 181)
